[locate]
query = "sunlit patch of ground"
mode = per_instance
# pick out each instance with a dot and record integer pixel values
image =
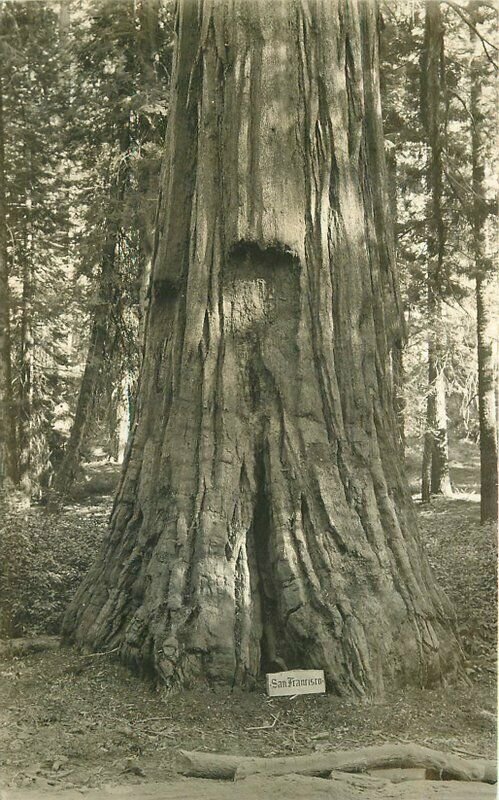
(468, 497)
(464, 463)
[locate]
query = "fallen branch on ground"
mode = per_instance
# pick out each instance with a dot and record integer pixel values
(98, 653)
(265, 727)
(446, 766)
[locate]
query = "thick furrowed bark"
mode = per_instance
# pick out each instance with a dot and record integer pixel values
(262, 519)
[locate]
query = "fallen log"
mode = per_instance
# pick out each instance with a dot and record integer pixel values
(196, 764)
(441, 765)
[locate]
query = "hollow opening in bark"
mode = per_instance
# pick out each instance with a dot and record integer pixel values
(261, 309)
(164, 289)
(261, 532)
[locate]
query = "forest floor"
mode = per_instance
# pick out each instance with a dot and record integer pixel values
(71, 721)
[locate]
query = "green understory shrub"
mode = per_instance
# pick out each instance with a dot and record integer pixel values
(43, 557)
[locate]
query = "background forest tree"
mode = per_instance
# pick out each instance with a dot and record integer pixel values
(85, 95)
(423, 83)
(85, 98)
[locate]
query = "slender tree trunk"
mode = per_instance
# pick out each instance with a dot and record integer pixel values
(435, 470)
(148, 37)
(147, 12)
(148, 49)
(440, 473)
(486, 290)
(8, 447)
(398, 373)
(436, 474)
(397, 355)
(120, 418)
(90, 383)
(124, 418)
(64, 19)
(487, 333)
(99, 337)
(263, 518)
(25, 422)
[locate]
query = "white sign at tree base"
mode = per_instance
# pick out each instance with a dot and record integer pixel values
(296, 681)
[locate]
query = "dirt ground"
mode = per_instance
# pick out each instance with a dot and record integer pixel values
(74, 722)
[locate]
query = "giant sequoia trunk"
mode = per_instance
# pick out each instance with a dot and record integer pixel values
(263, 519)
